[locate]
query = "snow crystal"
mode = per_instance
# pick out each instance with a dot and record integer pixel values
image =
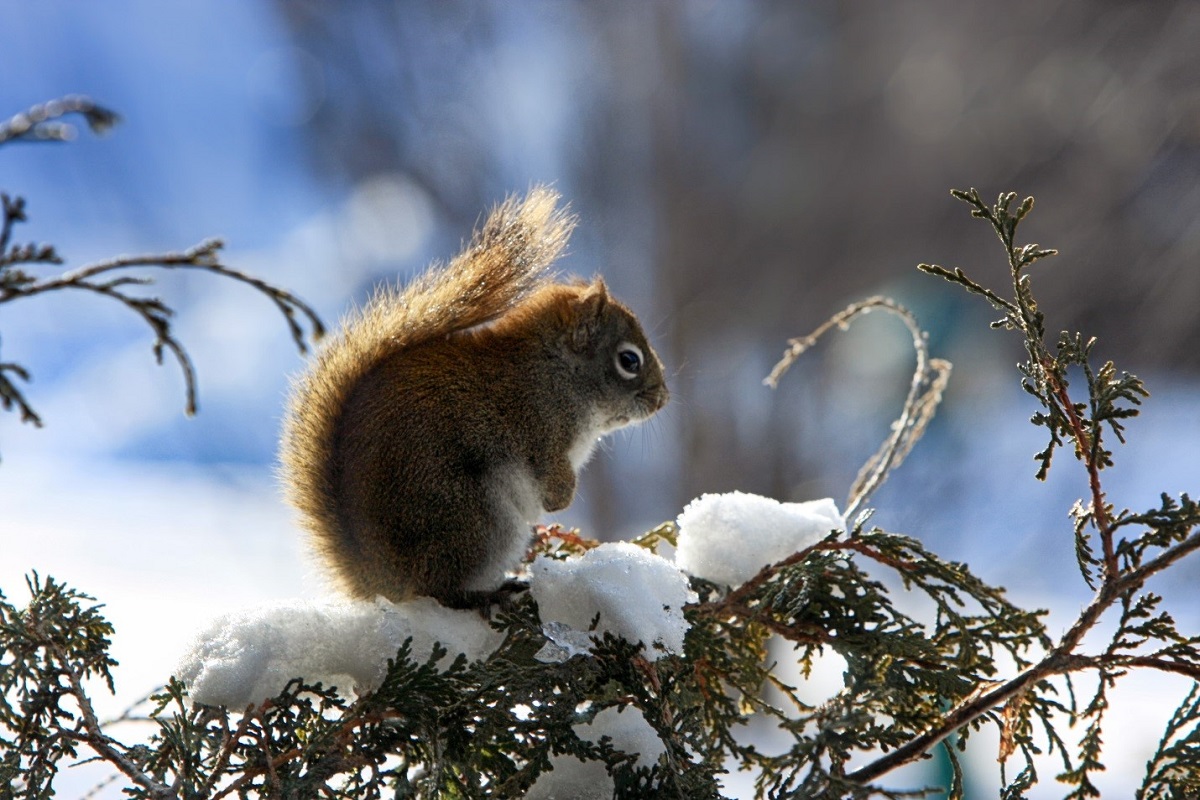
(638, 595)
(249, 656)
(728, 538)
(572, 779)
(563, 643)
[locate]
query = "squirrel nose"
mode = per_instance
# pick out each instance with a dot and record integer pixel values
(661, 396)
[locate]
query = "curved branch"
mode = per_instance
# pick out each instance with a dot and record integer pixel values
(925, 393)
(36, 124)
(154, 312)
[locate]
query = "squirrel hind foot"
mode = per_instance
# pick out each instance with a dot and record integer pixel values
(486, 602)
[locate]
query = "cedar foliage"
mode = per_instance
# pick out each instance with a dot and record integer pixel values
(912, 684)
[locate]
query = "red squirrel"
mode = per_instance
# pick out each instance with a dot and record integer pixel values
(447, 416)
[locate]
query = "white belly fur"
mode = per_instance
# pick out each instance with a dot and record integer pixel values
(517, 500)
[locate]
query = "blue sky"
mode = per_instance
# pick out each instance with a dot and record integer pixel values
(207, 147)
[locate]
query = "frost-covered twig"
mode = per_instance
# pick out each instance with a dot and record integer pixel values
(37, 124)
(924, 394)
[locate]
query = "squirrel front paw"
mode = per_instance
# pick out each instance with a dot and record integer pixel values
(558, 486)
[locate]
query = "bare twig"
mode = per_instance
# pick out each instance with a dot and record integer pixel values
(154, 312)
(925, 393)
(38, 124)
(127, 715)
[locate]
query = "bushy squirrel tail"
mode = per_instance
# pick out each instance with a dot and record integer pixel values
(506, 259)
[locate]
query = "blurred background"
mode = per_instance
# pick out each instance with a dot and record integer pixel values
(742, 170)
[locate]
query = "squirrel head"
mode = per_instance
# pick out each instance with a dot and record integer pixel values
(609, 354)
(611, 366)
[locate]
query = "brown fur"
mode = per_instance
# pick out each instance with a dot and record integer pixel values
(422, 438)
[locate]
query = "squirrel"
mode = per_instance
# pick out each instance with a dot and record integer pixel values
(429, 435)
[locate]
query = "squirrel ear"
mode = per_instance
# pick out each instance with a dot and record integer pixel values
(589, 308)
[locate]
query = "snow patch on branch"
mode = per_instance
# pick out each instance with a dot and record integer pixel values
(638, 596)
(572, 779)
(249, 656)
(728, 538)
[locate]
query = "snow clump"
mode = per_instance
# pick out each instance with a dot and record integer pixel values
(249, 656)
(572, 779)
(638, 595)
(728, 538)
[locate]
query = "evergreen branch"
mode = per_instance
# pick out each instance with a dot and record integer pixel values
(806, 634)
(1171, 523)
(1046, 373)
(94, 736)
(1084, 555)
(226, 750)
(736, 598)
(958, 276)
(1086, 448)
(555, 540)
(667, 532)
(52, 645)
(1058, 661)
(1172, 772)
(881, 646)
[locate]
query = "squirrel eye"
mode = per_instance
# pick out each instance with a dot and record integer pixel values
(628, 360)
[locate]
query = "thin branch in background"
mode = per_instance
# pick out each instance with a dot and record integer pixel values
(40, 123)
(925, 393)
(14, 212)
(11, 396)
(129, 715)
(155, 313)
